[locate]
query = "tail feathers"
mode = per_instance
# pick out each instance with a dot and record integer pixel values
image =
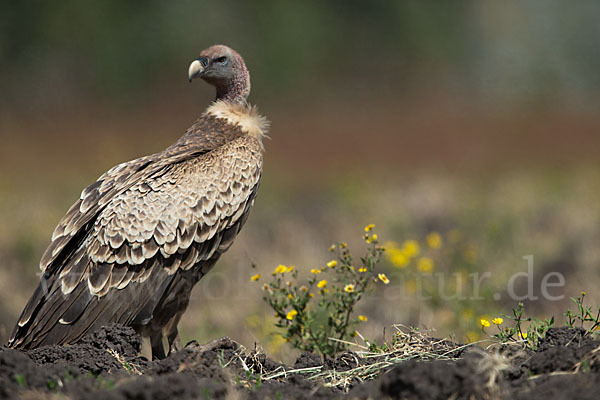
(43, 312)
(52, 317)
(29, 312)
(35, 300)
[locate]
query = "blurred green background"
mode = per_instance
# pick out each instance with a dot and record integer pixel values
(474, 119)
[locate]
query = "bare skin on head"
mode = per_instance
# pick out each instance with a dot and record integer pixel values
(225, 69)
(134, 244)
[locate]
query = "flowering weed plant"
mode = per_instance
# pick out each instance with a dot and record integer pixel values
(317, 314)
(536, 329)
(529, 336)
(589, 321)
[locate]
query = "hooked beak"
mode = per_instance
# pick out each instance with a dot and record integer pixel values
(197, 67)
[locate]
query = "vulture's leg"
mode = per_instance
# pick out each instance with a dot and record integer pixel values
(174, 342)
(159, 348)
(146, 348)
(172, 334)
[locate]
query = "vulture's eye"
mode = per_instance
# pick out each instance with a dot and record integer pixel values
(221, 60)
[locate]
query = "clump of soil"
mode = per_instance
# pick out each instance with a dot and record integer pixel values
(106, 365)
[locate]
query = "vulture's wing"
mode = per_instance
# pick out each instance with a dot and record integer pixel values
(204, 135)
(115, 254)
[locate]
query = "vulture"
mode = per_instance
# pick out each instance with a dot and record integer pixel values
(131, 248)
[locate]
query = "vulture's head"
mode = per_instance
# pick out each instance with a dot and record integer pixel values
(223, 68)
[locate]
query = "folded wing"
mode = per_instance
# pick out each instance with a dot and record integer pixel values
(118, 251)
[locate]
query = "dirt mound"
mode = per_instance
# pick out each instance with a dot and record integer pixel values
(106, 364)
(95, 354)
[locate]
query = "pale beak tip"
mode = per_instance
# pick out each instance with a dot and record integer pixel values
(195, 69)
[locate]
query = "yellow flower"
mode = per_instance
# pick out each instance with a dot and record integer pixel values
(315, 271)
(371, 239)
(290, 269)
(281, 269)
(398, 258)
(411, 248)
(484, 323)
(322, 284)
(332, 247)
(255, 277)
(434, 240)
(363, 318)
(291, 314)
(497, 321)
(324, 291)
(369, 227)
(290, 296)
(311, 295)
(425, 264)
(523, 335)
(349, 288)
(383, 278)
(362, 269)
(332, 264)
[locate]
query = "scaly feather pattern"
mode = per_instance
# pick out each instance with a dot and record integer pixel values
(143, 228)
